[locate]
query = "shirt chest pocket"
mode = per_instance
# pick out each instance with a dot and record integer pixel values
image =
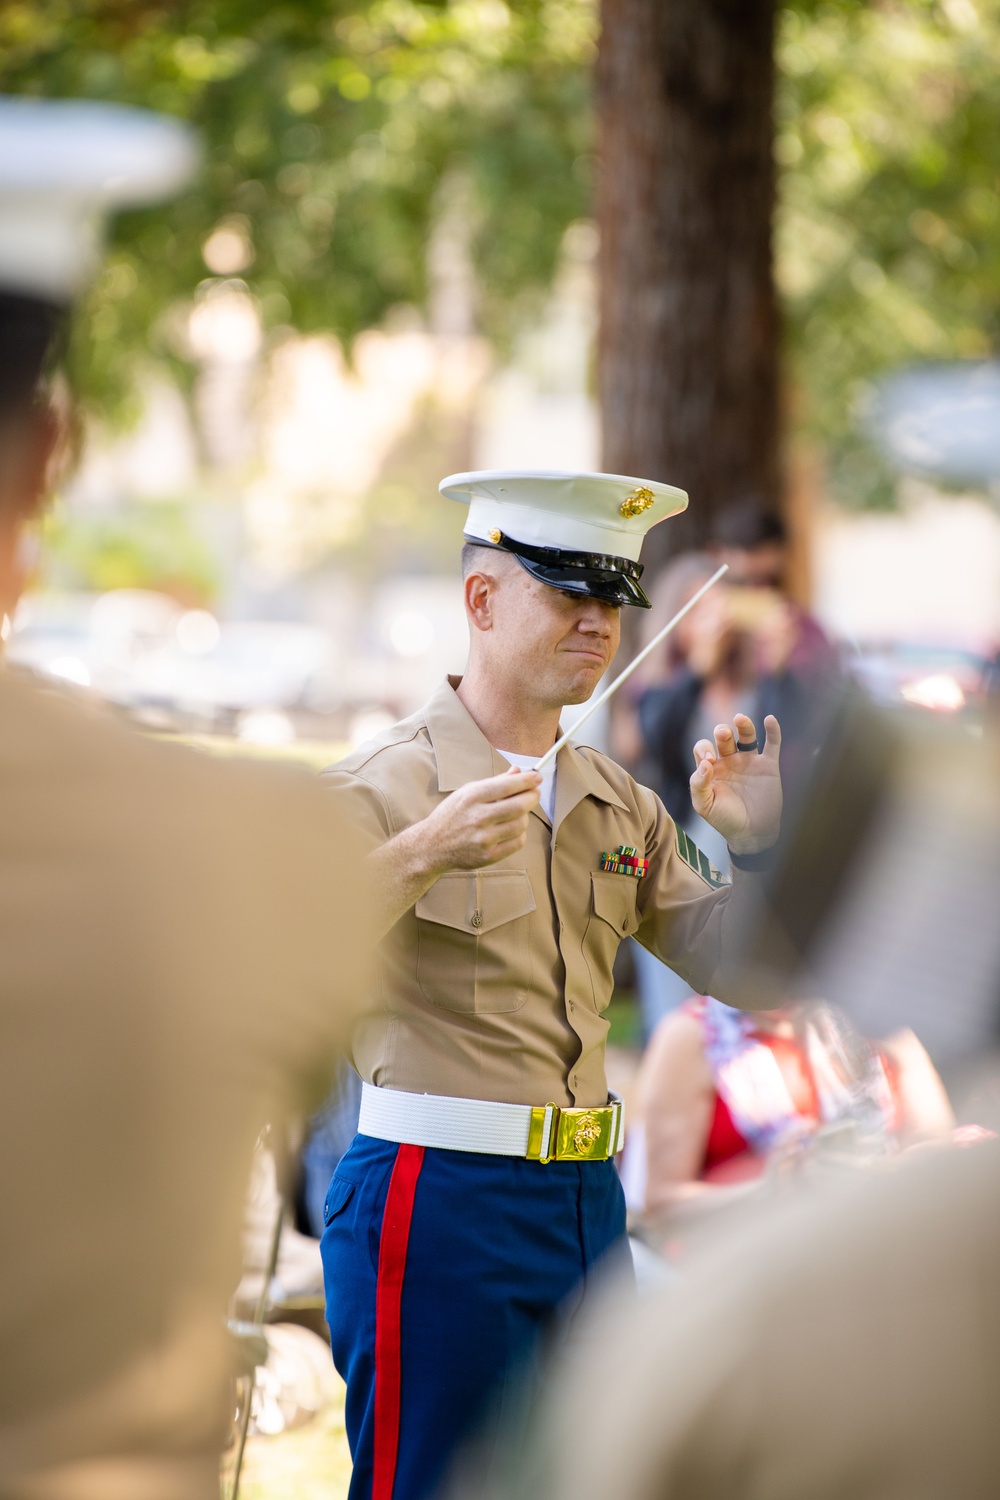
(613, 916)
(474, 941)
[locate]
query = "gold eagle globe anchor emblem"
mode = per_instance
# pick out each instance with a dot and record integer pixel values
(587, 1134)
(638, 501)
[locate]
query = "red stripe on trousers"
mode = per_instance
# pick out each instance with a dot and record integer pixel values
(388, 1300)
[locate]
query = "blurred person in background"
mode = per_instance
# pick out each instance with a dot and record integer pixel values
(797, 664)
(330, 1132)
(744, 642)
(752, 539)
(691, 684)
(720, 1091)
(706, 666)
(183, 946)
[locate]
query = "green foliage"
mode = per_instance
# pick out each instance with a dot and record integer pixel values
(333, 129)
(889, 226)
(328, 128)
(152, 545)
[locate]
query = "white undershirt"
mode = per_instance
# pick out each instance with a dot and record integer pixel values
(548, 788)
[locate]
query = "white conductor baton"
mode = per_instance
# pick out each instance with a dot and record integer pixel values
(622, 676)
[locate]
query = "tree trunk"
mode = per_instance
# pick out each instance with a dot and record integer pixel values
(688, 353)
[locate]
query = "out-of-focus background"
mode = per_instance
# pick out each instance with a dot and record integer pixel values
(389, 269)
(753, 251)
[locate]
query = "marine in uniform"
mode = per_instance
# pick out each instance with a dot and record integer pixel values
(182, 941)
(481, 1195)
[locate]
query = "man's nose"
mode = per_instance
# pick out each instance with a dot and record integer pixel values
(595, 620)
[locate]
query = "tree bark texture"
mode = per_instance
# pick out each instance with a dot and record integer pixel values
(689, 332)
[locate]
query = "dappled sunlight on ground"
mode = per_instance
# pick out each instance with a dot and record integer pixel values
(309, 1463)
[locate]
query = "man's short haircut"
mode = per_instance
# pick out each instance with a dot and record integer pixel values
(747, 524)
(472, 556)
(32, 335)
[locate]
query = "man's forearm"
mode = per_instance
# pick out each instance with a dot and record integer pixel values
(481, 823)
(401, 871)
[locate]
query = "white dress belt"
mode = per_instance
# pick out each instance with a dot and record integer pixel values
(480, 1125)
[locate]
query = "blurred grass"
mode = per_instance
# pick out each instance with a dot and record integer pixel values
(625, 1021)
(316, 754)
(310, 1463)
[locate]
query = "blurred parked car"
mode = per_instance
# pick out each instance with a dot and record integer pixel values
(940, 677)
(144, 652)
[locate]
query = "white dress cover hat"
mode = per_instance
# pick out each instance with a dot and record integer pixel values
(580, 533)
(64, 164)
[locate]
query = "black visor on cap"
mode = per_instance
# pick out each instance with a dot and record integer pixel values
(596, 575)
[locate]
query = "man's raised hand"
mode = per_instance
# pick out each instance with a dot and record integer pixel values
(737, 791)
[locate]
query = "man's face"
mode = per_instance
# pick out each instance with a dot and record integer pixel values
(555, 646)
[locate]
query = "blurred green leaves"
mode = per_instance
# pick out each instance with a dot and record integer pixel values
(888, 236)
(328, 128)
(331, 126)
(150, 546)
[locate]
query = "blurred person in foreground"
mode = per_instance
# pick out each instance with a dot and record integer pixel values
(480, 1200)
(181, 945)
(841, 1343)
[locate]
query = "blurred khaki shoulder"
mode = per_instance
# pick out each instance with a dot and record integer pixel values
(232, 881)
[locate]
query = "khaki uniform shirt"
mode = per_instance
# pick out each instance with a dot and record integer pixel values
(182, 943)
(496, 983)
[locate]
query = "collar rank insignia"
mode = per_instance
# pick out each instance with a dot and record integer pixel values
(624, 861)
(699, 862)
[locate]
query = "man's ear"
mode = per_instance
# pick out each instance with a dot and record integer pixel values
(480, 590)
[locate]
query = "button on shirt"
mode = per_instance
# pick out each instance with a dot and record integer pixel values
(496, 983)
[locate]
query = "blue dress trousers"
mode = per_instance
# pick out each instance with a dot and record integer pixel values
(443, 1271)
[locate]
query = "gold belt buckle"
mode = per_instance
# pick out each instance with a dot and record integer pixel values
(574, 1134)
(585, 1134)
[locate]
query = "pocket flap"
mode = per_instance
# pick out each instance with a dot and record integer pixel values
(476, 901)
(614, 900)
(338, 1197)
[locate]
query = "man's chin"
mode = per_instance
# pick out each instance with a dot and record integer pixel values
(581, 689)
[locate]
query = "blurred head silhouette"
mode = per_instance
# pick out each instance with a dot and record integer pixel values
(751, 538)
(31, 337)
(65, 165)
